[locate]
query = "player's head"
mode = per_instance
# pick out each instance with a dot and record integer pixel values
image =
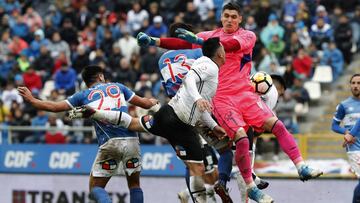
(355, 85)
(92, 74)
(213, 49)
(231, 17)
(175, 26)
(279, 83)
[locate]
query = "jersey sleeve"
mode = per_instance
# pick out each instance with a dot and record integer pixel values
(271, 97)
(339, 113)
(246, 40)
(76, 99)
(204, 70)
(128, 94)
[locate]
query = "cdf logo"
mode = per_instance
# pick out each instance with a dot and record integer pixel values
(18, 159)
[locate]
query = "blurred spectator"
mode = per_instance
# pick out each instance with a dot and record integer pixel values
(263, 13)
(285, 109)
(303, 64)
(251, 24)
(303, 34)
(49, 28)
(5, 45)
(33, 19)
(289, 75)
(355, 24)
(333, 57)
(60, 61)
(4, 112)
(266, 59)
(128, 44)
(18, 118)
(10, 5)
(191, 15)
(83, 18)
(44, 64)
(149, 62)
(300, 94)
(65, 79)
(272, 28)
(81, 59)
(37, 43)
(343, 37)
(107, 43)
(135, 17)
(7, 66)
(293, 45)
(23, 61)
(5, 24)
(314, 53)
(54, 136)
(124, 72)
(54, 15)
(158, 28)
(335, 16)
(203, 8)
(69, 13)
(39, 120)
(100, 31)
(17, 45)
(57, 45)
(88, 35)
(143, 84)
(290, 8)
(32, 80)
(21, 29)
(276, 46)
(68, 32)
(115, 57)
(289, 27)
(321, 14)
(153, 10)
(321, 32)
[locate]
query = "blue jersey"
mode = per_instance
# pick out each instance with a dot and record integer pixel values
(105, 96)
(348, 112)
(174, 65)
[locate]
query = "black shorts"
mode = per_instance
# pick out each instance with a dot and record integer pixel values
(210, 158)
(181, 136)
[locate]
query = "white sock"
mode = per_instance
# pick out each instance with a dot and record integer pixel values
(242, 188)
(299, 165)
(197, 188)
(114, 117)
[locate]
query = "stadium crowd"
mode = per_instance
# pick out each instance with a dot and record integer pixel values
(45, 44)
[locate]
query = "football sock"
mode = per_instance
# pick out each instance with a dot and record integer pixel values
(114, 117)
(136, 195)
(287, 142)
(242, 159)
(225, 166)
(356, 198)
(100, 195)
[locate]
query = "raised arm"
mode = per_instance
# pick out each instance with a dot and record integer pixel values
(43, 105)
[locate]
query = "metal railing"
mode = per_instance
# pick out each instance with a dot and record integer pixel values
(11, 129)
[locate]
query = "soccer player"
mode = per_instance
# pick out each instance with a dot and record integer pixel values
(116, 144)
(176, 120)
(173, 66)
(348, 112)
(236, 106)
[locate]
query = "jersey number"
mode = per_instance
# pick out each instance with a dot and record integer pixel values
(115, 95)
(178, 58)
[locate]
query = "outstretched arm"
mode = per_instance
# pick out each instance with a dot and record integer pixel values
(43, 105)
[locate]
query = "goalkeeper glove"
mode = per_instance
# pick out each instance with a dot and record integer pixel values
(188, 36)
(145, 40)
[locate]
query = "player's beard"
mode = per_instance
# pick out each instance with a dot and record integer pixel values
(356, 92)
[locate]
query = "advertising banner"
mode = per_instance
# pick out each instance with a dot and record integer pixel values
(78, 159)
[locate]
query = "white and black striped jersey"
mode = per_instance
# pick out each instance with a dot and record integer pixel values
(200, 82)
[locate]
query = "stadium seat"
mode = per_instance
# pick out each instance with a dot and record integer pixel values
(314, 89)
(323, 74)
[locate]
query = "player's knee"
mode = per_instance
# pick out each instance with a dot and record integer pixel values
(241, 133)
(133, 180)
(196, 169)
(269, 123)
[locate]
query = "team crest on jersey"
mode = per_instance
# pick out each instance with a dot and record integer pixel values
(109, 164)
(180, 151)
(133, 163)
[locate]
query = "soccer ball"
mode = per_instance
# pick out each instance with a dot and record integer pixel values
(261, 82)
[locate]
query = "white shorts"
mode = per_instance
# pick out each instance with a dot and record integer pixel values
(354, 161)
(116, 151)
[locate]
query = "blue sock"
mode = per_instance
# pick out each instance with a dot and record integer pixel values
(136, 195)
(100, 195)
(356, 198)
(355, 130)
(225, 166)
